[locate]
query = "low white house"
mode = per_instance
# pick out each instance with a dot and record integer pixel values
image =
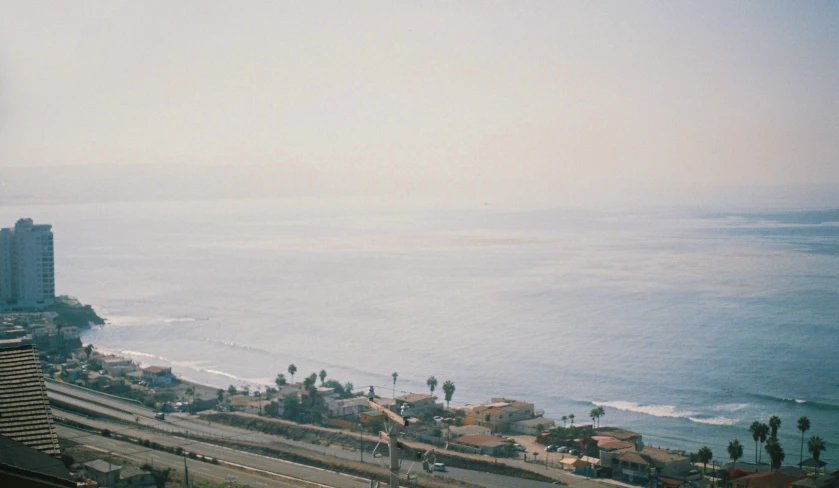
(158, 375)
(348, 407)
(532, 426)
(455, 432)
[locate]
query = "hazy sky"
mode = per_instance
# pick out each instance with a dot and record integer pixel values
(552, 96)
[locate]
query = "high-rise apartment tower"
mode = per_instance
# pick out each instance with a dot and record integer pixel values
(27, 271)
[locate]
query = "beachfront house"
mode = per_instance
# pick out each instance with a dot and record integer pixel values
(348, 408)
(532, 426)
(416, 402)
(485, 444)
(499, 414)
(463, 430)
(157, 375)
(118, 366)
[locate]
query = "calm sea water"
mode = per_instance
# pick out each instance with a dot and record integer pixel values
(686, 326)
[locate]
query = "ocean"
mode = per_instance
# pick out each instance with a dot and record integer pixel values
(685, 324)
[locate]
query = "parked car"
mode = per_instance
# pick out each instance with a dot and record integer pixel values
(159, 416)
(520, 447)
(574, 452)
(438, 467)
(551, 448)
(562, 449)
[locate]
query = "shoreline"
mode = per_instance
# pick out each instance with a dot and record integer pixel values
(679, 437)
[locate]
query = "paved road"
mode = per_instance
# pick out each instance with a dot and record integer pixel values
(184, 423)
(261, 472)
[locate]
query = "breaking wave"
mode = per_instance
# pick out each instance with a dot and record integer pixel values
(713, 421)
(671, 412)
(654, 410)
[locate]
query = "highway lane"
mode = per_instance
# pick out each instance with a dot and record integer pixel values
(185, 423)
(257, 469)
(262, 462)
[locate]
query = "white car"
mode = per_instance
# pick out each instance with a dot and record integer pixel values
(438, 467)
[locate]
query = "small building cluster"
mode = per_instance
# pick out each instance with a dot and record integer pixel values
(37, 328)
(502, 415)
(109, 474)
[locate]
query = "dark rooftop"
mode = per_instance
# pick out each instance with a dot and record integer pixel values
(25, 414)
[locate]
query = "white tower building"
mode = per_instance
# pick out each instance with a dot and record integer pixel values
(27, 271)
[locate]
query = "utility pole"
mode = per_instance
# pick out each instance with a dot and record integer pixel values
(395, 421)
(186, 472)
(394, 457)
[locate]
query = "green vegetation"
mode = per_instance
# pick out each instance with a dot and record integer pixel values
(343, 391)
(816, 446)
(735, 450)
(803, 426)
(759, 432)
(774, 425)
(291, 370)
(448, 390)
(565, 435)
(74, 314)
(775, 452)
(595, 415)
(705, 455)
(432, 384)
(291, 408)
(161, 476)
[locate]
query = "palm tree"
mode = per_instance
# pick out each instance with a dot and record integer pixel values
(571, 418)
(735, 450)
(291, 370)
(803, 426)
(774, 425)
(759, 433)
(600, 413)
(395, 375)
(448, 390)
(705, 455)
(432, 384)
(764, 432)
(280, 381)
(564, 419)
(776, 453)
(816, 446)
(190, 392)
(755, 430)
(322, 376)
(595, 415)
